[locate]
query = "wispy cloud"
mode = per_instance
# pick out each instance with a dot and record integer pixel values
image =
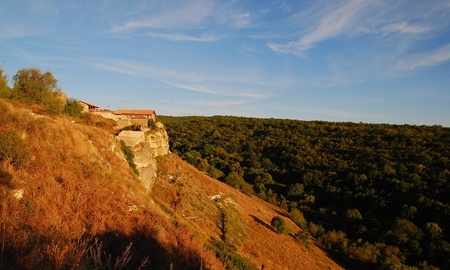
(182, 37)
(332, 24)
(220, 90)
(427, 59)
(191, 87)
(241, 20)
(187, 15)
(12, 32)
(226, 85)
(352, 19)
(404, 27)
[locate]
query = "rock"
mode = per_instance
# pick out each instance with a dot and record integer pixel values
(146, 146)
(18, 193)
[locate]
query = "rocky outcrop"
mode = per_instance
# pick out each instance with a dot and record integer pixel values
(146, 145)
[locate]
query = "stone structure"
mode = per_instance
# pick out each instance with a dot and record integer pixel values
(138, 114)
(146, 144)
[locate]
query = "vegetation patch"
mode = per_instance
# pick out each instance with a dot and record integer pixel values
(279, 225)
(347, 184)
(129, 156)
(227, 254)
(14, 148)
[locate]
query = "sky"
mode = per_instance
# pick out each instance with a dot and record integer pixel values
(371, 61)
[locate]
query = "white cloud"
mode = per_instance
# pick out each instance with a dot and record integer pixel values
(234, 84)
(376, 19)
(182, 37)
(404, 27)
(12, 32)
(191, 87)
(188, 15)
(428, 59)
(241, 20)
(333, 23)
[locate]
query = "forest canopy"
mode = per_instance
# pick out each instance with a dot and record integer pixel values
(375, 194)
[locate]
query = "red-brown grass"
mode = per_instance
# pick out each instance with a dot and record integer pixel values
(84, 208)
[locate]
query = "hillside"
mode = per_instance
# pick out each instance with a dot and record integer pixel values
(69, 200)
(375, 195)
(199, 200)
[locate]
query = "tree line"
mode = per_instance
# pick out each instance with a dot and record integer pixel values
(374, 194)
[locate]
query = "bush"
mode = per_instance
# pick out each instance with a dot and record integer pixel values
(73, 109)
(279, 225)
(298, 218)
(13, 148)
(152, 125)
(31, 86)
(129, 156)
(304, 237)
(227, 254)
(5, 91)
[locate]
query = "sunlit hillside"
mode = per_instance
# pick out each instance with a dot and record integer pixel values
(69, 200)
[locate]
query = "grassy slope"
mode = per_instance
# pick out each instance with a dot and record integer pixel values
(79, 191)
(190, 194)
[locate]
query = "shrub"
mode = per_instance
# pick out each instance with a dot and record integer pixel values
(13, 148)
(34, 87)
(335, 240)
(152, 125)
(304, 237)
(298, 218)
(279, 225)
(129, 156)
(227, 254)
(73, 109)
(5, 91)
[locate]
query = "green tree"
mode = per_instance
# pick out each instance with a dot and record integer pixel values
(407, 236)
(72, 108)
(295, 191)
(279, 225)
(5, 91)
(234, 179)
(34, 87)
(298, 218)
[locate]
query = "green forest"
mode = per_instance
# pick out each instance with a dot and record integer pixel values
(374, 195)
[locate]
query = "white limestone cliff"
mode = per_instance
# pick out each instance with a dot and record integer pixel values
(146, 145)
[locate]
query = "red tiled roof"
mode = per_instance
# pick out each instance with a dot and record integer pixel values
(91, 105)
(135, 112)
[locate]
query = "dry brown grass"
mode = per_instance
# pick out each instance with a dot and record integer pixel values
(82, 207)
(78, 188)
(189, 194)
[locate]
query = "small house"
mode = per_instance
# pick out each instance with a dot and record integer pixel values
(87, 107)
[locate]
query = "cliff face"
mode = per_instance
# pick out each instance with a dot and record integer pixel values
(146, 145)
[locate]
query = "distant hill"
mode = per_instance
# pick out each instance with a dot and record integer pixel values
(70, 200)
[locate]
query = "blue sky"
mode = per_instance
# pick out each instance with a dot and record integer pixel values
(374, 61)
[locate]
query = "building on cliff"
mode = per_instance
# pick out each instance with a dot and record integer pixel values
(138, 114)
(87, 107)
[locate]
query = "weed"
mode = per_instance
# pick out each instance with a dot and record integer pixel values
(227, 254)
(129, 156)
